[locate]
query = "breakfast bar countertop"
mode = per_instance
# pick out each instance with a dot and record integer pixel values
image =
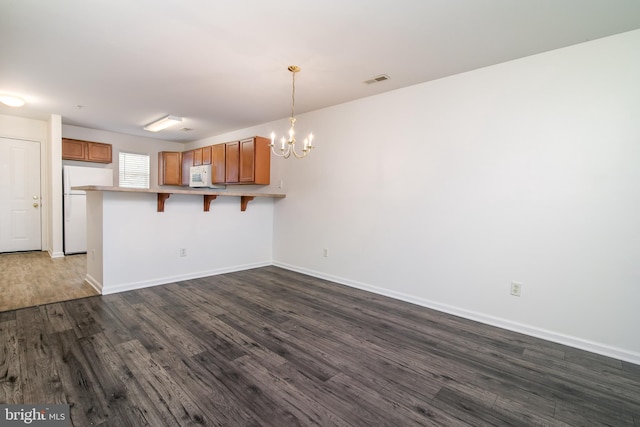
(164, 193)
(198, 192)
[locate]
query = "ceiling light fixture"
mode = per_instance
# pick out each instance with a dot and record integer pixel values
(163, 123)
(289, 146)
(11, 100)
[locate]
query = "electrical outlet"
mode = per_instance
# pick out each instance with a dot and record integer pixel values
(183, 252)
(325, 252)
(516, 289)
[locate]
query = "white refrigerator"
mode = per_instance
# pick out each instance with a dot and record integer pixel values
(75, 203)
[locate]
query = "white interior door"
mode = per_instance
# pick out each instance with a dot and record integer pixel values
(20, 212)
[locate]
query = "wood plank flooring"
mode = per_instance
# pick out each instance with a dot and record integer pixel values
(28, 279)
(270, 347)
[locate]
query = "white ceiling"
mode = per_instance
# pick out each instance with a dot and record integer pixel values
(222, 65)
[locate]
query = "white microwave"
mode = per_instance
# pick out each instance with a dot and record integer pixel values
(200, 176)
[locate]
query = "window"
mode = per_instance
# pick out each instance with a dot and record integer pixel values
(134, 170)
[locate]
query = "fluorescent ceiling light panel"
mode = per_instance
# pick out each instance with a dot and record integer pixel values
(11, 101)
(163, 123)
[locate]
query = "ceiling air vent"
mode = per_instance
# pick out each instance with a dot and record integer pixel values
(377, 79)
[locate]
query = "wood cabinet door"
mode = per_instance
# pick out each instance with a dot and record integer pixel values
(232, 163)
(73, 149)
(206, 155)
(98, 152)
(218, 164)
(197, 157)
(187, 162)
(169, 168)
(262, 161)
(247, 159)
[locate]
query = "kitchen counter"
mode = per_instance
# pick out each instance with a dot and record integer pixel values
(163, 194)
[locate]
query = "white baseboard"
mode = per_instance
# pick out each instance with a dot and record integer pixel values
(112, 289)
(93, 282)
(56, 254)
(576, 342)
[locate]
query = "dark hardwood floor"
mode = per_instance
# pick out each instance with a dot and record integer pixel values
(276, 348)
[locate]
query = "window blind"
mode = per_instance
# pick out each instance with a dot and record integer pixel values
(133, 170)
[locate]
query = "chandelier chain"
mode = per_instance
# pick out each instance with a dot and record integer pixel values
(293, 94)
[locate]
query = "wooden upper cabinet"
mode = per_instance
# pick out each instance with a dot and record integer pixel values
(98, 152)
(86, 151)
(187, 162)
(202, 156)
(232, 162)
(197, 157)
(169, 168)
(248, 161)
(74, 149)
(218, 164)
(239, 162)
(206, 155)
(255, 161)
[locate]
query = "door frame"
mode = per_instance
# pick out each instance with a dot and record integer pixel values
(44, 207)
(48, 132)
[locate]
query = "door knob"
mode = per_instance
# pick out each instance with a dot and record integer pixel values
(35, 197)
(35, 205)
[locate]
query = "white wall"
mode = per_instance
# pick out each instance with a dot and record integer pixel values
(445, 192)
(22, 128)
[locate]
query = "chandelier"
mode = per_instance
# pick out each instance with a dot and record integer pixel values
(287, 147)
